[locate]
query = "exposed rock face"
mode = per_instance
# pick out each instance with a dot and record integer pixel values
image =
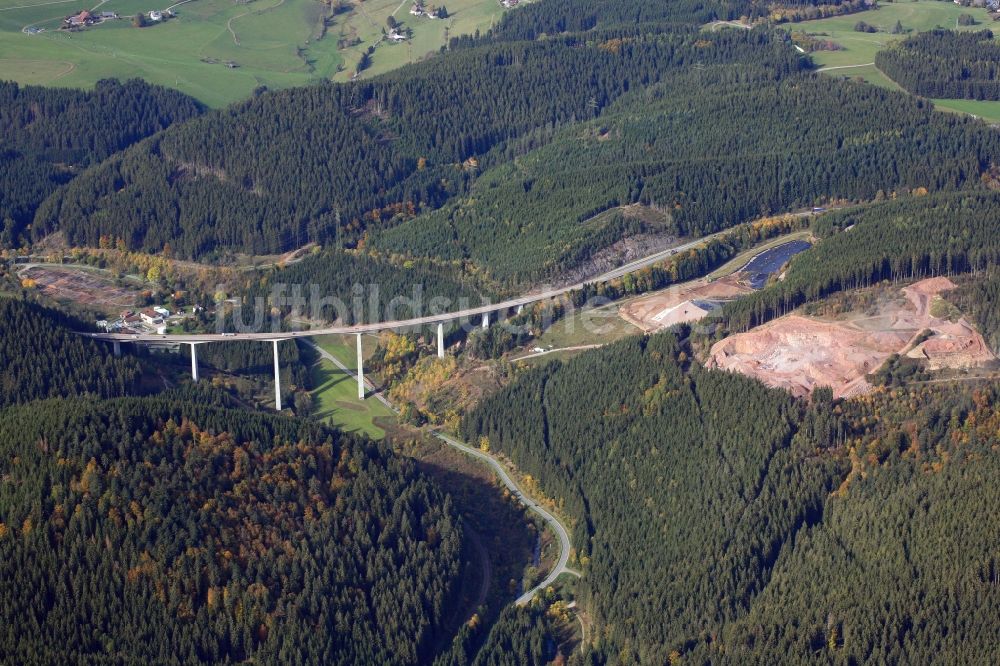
(801, 353)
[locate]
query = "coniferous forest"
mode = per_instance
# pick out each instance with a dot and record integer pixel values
(145, 519)
(693, 161)
(162, 530)
(176, 529)
(41, 358)
(48, 135)
(981, 300)
(894, 240)
(559, 16)
(945, 63)
(443, 183)
(398, 144)
(358, 288)
(429, 164)
(166, 531)
(723, 522)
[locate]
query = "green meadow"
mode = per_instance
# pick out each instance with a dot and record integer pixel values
(860, 47)
(857, 57)
(344, 347)
(988, 111)
(368, 20)
(219, 51)
(336, 400)
(336, 392)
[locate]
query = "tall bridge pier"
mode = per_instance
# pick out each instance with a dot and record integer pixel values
(194, 361)
(277, 378)
(361, 371)
(196, 375)
(277, 369)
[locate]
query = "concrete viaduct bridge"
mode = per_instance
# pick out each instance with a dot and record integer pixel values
(440, 320)
(274, 338)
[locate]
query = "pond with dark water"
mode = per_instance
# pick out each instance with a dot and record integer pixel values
(765, 264)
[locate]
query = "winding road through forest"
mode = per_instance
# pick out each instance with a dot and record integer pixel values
(557, 527)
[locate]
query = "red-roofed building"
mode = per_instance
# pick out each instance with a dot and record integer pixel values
(83, 18)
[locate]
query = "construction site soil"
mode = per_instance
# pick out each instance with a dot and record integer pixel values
(799, 353)
(79, 286)
(682, 303)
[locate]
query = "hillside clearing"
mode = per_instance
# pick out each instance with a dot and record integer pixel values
(856, 58)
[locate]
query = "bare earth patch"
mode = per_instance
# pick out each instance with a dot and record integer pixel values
(799, 353)
(80, 287)
(680, 304)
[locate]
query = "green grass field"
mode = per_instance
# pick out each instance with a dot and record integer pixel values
(336, 399)
(988, 111)
(275, 43)
(344, 347)
(858, 55)
(860, 47)
(429, 35)
(336, 392)
(598, 325)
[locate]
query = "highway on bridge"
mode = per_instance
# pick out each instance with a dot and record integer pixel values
(467, 313)
(553, 522)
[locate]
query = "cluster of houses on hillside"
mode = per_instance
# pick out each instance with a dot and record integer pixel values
(86, 18)
(431, 12)
(149, 320)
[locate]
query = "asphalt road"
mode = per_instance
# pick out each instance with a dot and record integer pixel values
(560, 531)
(467, 313)
(552, 521)
(555, 350)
